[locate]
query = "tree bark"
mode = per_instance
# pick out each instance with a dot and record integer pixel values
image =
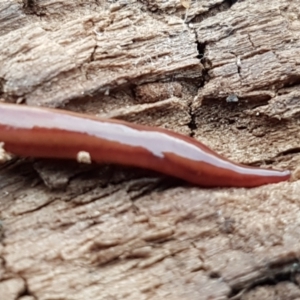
(224, 72)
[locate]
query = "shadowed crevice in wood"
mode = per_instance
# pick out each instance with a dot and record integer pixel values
(286, 274)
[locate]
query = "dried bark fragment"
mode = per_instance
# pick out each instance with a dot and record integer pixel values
(12, 288)
(49, 63)
(249, 53)
(153, 92)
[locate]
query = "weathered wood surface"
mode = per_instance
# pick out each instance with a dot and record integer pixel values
(86, 232)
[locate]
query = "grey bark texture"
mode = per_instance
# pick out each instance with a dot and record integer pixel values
(225, 72)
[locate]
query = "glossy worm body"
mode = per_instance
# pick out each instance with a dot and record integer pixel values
(52, 133)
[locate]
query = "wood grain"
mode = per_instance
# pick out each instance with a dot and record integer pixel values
(105, 232)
